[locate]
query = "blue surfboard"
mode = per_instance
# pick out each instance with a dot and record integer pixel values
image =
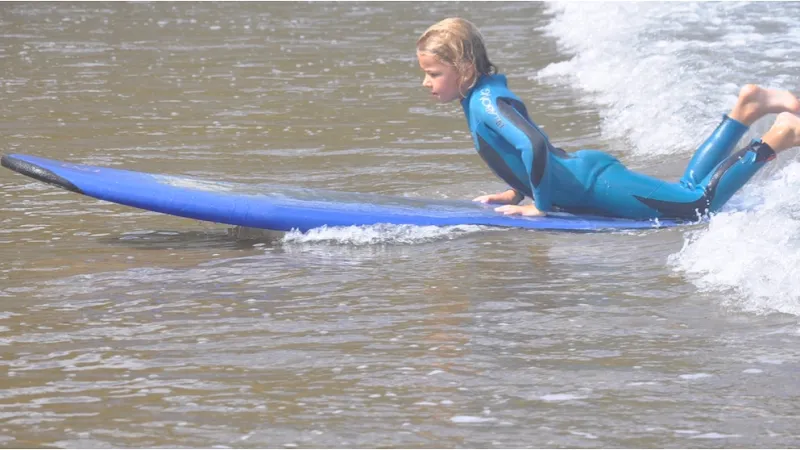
(288, 208)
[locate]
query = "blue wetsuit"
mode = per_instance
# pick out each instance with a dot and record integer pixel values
(594, 182)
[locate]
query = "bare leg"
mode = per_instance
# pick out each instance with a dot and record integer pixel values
(784, 133)
(755, 102)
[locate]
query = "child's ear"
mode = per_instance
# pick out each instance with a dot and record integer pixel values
(469, 73)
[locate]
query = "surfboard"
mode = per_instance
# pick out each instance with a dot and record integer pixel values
(286, 208)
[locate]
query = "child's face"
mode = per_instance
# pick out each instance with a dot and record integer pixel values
(442, 79)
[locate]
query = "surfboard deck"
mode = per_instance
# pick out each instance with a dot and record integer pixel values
(286, 208)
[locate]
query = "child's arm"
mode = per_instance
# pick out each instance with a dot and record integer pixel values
(530, 142)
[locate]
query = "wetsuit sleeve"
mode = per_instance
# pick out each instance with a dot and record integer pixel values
(515, 128)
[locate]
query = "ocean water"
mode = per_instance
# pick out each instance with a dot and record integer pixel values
(126, 328)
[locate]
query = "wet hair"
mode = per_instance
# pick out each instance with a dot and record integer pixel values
(458, 42)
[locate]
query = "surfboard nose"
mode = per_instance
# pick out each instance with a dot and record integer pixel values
(30, 169)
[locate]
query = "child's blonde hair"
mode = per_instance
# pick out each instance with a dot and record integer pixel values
(458, 42)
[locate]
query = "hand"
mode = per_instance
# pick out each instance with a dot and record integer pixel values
(504, 198)
(526, 210)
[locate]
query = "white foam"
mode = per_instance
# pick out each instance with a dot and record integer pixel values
(714, 436)
(751, 254)
(471, 419)
(583, 434)
(664, 73)
(694, 376)
(561, 397)
(378, 234)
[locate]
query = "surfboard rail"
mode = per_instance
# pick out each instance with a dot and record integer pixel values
(286, 208)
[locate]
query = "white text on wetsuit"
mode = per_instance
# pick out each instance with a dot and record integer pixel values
(486, 101)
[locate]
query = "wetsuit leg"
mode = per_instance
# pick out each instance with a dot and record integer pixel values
(632, 195)
(716, 148)
(731, 174)
(619, 192)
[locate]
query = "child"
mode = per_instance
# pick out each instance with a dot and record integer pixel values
(456, 65)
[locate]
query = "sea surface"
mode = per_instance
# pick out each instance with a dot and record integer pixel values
(126, 328)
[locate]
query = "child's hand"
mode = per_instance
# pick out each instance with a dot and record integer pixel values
(504, 198)
(526, 210)
(489, 198)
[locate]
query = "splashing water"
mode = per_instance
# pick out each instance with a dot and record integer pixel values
(754, 254)
(663, 74)
(379, 234)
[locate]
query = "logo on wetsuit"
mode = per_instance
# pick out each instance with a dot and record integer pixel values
(486, 101)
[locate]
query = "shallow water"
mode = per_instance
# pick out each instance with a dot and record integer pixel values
(127, 328)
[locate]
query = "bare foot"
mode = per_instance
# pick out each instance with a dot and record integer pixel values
(755, 102)
(784, 134)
